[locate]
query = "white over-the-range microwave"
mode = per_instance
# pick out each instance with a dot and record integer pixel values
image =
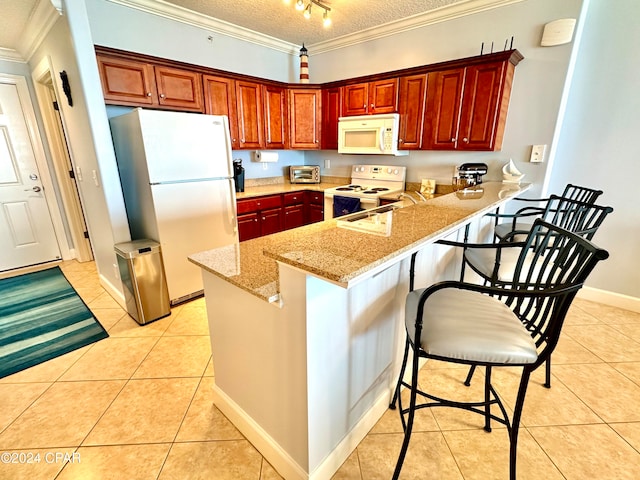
(369, 134)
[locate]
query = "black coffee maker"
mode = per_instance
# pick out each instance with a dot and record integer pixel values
(238, 175)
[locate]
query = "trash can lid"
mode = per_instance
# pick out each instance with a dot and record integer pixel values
(136, 247)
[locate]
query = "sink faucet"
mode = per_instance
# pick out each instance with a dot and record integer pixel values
(421, 196)
(404, 195)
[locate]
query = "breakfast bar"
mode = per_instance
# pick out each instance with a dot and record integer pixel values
(307, 325)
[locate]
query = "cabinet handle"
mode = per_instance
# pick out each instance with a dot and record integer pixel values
(465, 140)
(264, 218)
(400, 140)
(255, 219)
(162, 95)
(372, 105)
(364, 106)
(148, 94)
(453, 140)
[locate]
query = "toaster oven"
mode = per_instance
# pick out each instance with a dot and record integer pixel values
(304, 174)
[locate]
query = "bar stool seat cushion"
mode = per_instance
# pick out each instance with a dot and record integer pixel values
(503, 229)
(470, 327)
(484, 260)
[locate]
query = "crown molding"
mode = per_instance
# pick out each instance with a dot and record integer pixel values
(438, 15)
(182, 15)
(11, 55)
(44, 16)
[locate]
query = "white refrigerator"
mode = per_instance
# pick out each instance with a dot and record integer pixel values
(177, 179)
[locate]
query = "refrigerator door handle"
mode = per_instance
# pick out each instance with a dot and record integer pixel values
(232, 210)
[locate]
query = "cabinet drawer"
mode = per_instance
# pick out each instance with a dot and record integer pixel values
(316, 198)
(246, 206)
(293, 198)
(258, 203)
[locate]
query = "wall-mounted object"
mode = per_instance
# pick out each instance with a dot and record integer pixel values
(266, 157)
(558, 32)
(66, 88)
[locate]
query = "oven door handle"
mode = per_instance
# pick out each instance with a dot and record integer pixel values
(382, 140)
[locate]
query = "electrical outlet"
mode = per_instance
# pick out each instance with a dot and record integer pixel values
(265, 166)
(327, 163)
(537, 153)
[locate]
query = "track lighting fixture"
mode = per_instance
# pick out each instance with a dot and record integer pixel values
(306, 10)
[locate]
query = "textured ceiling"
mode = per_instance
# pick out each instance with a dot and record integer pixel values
(280, 19)
(276, 18)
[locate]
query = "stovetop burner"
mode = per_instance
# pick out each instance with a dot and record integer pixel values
(379, 189)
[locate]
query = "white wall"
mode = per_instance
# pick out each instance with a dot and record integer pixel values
(535, 98)
(102, 197)
(598, 141)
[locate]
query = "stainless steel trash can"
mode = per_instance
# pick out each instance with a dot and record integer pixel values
(143, 278)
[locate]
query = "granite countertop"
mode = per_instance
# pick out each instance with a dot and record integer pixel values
(340, 255)
(275, 188)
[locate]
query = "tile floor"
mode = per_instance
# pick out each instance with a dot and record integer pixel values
(138, 406)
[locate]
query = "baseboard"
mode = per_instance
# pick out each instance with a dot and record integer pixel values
(115, 293)
(279, 459)
(610, 298)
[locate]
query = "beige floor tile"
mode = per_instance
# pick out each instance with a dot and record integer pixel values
(268, 472)
(630, 432)
(146, 411)
(14, 467)
(483, 456)
(428, 456)
(350, 469)
(191, 320)
(108, 317)
(610, 394)
(62, 416)
(100, 363)
(185, 356)
(569, 351)
(606, 342)
(543, 406)
(588, 451)
(104, 300)
(139, 462)
(209, 372)
(631, 330)
(608, 314)
(49, 371)
(631, 370)
(230, 460)
(391, 423)
(16, 398)
(128, 327)
(578, 316)
(204, 421)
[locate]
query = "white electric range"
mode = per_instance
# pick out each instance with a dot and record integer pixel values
(368, 183)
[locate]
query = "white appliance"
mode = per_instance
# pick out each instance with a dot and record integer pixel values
(369, 134)
(368, 183)
(177, 179)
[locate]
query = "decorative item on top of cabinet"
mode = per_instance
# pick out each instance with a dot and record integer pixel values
(380, 96)
(275, 116)
(331, 111)
(138, 83)
(467, 106)
(220, 99)
(411, 103)
(304, 118)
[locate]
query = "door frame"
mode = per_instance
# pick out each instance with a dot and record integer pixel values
(28, 112)
(62, 157)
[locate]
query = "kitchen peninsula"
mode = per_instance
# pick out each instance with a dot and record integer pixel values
(307, 325)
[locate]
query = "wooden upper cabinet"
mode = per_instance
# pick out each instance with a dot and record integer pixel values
(127, 82)
(411, 101)
(467, 107)
(179, 89)
(380, 96)
(250, 113)
(220, 99)
(304, 118)
(331, 111)
(275, 116)
(481, 107)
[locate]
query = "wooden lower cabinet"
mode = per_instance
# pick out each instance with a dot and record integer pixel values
(260, 216)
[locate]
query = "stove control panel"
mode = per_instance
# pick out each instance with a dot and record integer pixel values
(379, 172)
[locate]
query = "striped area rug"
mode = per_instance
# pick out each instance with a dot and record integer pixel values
(42, 317)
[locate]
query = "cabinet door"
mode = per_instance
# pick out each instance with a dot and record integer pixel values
(412, 97)
(331, 108)
(304, 119)
(270, 221)
(316, 213)
(444, 95)
(355, 99)
(179, 89)
(293, 216)
(250, 129)
(383, 96)
(248, 226)
(127, 82)
(220, 99)
(275, 115)
(480, 106)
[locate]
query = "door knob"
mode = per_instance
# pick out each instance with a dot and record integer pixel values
(35, 189)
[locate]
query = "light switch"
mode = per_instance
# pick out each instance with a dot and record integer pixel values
(327, 163)
(537, 153)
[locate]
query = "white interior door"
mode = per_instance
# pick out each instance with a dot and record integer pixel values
(27, 236)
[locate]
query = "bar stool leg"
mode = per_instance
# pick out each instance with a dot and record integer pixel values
(396, 393)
